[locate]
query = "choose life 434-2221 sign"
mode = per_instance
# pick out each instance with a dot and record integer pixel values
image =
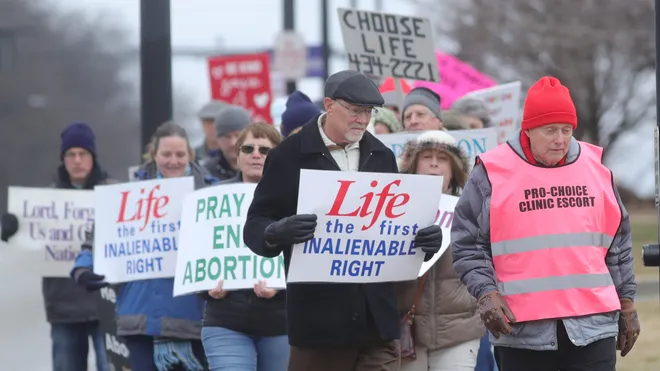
(389, 45)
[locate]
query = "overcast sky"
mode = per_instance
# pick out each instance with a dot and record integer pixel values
(254, 24)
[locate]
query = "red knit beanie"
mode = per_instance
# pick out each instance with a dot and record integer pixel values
(548, 102)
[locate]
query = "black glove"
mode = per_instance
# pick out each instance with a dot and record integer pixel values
(291, 230)
(92, 281)
(429, 239)
(9, 225)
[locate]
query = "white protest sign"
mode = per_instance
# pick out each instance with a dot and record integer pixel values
(367, 223)
(137, 226)
(473, 142)
(503, 102)
(444, 218)
(211, 246)
(394, 45)
(52, 221)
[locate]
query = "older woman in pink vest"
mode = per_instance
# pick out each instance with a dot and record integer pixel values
(541, 238)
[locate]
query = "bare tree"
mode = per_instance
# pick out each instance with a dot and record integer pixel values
(56, 68)
(603, 50)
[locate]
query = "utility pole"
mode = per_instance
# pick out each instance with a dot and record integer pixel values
(289, 25)
(155, 66)
(651, 252)
(7, 49)
(325, 39)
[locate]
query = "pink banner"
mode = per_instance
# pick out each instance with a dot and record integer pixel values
(457, 78)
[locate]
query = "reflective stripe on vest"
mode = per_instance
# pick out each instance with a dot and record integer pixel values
(573, 281)
(550, 230)
(551, 241)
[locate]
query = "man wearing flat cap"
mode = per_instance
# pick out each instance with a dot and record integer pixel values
(339, 326)
(207, 115)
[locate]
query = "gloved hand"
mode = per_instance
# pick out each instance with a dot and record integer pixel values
(9, 225)
(291, 230)
(91, 281)
(429, 239)
(170, 352)
(496, 314)
(629, 328)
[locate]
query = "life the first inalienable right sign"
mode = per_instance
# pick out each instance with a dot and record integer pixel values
(366, 226)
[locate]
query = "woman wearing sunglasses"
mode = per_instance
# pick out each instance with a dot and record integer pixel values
(245, 330)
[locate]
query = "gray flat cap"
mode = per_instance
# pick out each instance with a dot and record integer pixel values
(354, 87)
(211, 110)
(231, 118)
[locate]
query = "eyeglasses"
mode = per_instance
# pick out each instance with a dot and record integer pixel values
(249, 148)
(357, 112)
(81, 154)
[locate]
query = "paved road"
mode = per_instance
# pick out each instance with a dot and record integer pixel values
(24, 333)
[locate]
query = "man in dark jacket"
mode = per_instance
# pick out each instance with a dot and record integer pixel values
(72, 310)
(331, 326)
(228, 125)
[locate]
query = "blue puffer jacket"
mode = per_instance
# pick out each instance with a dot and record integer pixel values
(147, 307)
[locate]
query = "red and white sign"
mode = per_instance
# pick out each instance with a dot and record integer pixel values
(243, 80)
(136, 228)
(366, 225)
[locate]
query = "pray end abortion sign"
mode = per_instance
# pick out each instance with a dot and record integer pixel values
(366, 226)
(212, 247)
(137, 225)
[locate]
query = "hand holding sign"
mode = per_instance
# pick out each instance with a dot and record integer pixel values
(291, 230)
(9, 225)
(263, 291)
(217, 292)
(430, 240)
(92, 281)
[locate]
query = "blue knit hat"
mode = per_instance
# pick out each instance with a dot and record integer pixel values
(299, 110)
(78, 135)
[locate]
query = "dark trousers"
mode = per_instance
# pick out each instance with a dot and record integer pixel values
(377, 357)
(71, 346)
(142, 353)
(597, 356)
(374, 355)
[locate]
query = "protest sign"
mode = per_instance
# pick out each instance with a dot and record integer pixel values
(53, 221)
(243, 80)
(457, 78)
(503, 102)
(211, 243)
(444, 218)
(137, 227)
(383, 44)
(116, 349)
(366, 226)
(473, 142)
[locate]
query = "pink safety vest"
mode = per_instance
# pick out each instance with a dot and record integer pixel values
(550, 230)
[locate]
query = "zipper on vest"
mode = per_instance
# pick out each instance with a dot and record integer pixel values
(432, 289)
(364, 163)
